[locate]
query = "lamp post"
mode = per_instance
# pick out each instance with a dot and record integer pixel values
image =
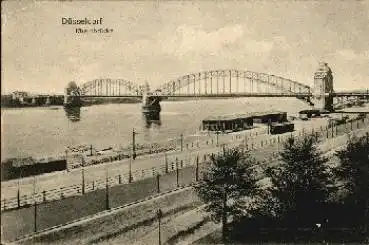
(66, 159)
(83, 176)
(107, 206)
(133, 144)
(217, 133)
(130, 170)
(181, 142)
(35, 204)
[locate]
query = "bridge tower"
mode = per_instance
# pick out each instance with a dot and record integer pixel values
(323, 88)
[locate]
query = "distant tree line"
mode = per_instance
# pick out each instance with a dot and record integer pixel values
(304, 197)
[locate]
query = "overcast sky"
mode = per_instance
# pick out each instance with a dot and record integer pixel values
(159, 41)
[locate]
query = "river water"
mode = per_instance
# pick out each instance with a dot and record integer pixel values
(47, 131)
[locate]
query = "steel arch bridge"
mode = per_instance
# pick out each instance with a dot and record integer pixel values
(215, 83)
(231, 83)
(110, 88)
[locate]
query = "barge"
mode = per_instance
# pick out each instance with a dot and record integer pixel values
(280, 128)
(239, 122)
(226, 123)
(15, 168)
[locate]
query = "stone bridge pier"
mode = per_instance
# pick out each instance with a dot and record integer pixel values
(150, 101)
(151, 104)
(72, 95)
(323, 88)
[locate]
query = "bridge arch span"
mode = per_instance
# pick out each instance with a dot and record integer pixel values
(110, 87)
(231, 81)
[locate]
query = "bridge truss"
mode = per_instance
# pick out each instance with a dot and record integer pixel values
(110, 88)
(235, 82)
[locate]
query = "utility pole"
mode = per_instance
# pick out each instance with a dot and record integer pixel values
(197, 168)
(18, 192)
(160, 214)
(83, 180)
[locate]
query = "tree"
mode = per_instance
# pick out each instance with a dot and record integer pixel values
(300, 182)
(226, 181)
(353, 172)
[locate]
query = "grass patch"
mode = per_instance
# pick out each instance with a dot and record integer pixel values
(145, 222)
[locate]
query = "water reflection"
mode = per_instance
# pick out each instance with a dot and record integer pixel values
(73, 113)
(152, 119)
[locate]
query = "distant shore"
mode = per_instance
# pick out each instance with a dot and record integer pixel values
(85, 102)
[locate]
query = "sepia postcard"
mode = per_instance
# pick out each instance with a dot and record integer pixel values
(184, 122)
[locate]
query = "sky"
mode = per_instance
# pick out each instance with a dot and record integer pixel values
(157, 41)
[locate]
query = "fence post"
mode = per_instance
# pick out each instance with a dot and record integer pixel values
(158, 182)
(197, 169)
